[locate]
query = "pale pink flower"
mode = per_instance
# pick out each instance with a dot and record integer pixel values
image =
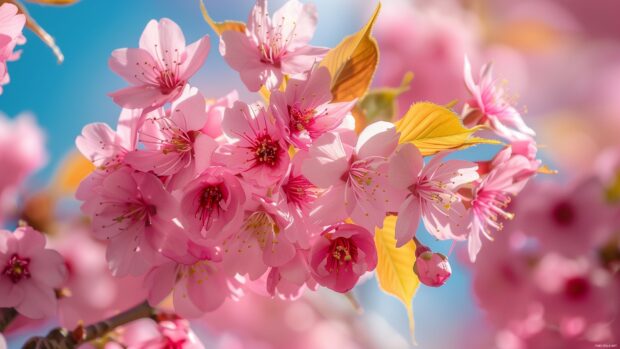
(431, 193)
(158, 70)
(212, 204)
(198, 285)
(94, 293)
(174, 144)
(29, 273)
(272, 47)
(258, 150)
(11, 26)
(356, 178)
(341, 255)
(491, 196)
(165, 334)
(304, 110)
(136, 214)
(288, 281)
(490, 106)
(261, 241)
(433, 269)
(22, 150)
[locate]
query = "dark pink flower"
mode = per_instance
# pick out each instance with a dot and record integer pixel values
(158, 70)
(29, 273)
(11, 26)
(341, 255)
(433, 269)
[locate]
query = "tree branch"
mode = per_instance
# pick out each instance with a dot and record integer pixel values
(7, 315)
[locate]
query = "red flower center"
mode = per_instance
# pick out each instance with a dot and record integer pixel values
(168, 81)
(563, 213)
(577, 288)
(17, 268)
(300, 191)
(209, 204)
(342, 252)
(266, 151)
(299, 119)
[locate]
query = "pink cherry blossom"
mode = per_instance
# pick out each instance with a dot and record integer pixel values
(490, 106)
(341, 255)
(165, 334)
(11, 26)
(258, 150)
(198, 285)
(215, 113)
(174, 144)
(29, 273)
(22, 150)
(431, 193)
(433, 269)
(137, 215)
(212, 204)
(356, 176)
(304, 110)
(287, 281)
(272, 47)
(158, 70)
(261, 242)
(491, 196)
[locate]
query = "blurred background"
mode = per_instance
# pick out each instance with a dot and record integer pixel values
(560, 61)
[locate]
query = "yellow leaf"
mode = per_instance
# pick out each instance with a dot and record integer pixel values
(433, 128)
(380, 103)
(353, 62)
(395, 267)
(220, 27)
(73, 169)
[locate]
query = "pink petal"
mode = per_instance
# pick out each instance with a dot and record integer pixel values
(163, 39)
(408, 221)
(38, 302)
(297, 21)
(405, 166)
(377, 139)
(328, 161)
(135, 65)
(196, 55)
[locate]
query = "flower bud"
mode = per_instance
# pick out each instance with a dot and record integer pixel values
(433, 269)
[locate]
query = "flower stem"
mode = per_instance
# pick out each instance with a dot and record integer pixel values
(62, 338)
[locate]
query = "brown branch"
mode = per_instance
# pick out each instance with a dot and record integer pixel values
(7, 315)
(61, 338)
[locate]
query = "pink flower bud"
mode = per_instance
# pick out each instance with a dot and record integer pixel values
(433, 269)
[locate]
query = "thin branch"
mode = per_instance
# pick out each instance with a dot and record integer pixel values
(7, 315)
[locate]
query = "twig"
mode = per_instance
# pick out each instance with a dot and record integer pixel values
(7, 315)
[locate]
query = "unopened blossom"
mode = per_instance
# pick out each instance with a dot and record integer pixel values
(304, 110)
(213, 204)
(257, 149)
(135, 213)
(260, 242)
(11, 26)
(355, 177)
(198, 284)
(341, 255)
(174, 144)
(167, 333)
(491, 106)
(430, 193)
(433, 269)
(29, 273)
(272, 47)
(159, 69)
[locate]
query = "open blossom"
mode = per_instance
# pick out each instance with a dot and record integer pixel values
(11, 26)
(198, 285)
(258, 150)
(304, 110)
(212, 204)
(341, 255)
(29, 273)
(174, 144)
(491, 196)
(433, 269)
(490, 106)
(272, 47)
(431, 193)
(288, 280)
(158, 70)
(356, 175)
(261, 242)
(136, 214)
(172, 332)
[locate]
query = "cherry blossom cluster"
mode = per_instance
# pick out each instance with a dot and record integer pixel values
(11, 26)
(202, 196)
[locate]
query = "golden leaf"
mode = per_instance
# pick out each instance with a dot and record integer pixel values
(433, 128)
(220, 27)
(73, 169)
(352, 63)
(395, 267)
